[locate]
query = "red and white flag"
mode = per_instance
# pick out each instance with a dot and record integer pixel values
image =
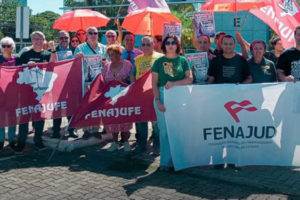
(45, 91)
(141, 4)
(283, 17)
(116, 103)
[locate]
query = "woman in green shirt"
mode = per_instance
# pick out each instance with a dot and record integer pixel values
(168, 71)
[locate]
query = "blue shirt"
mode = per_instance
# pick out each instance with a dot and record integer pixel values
(63, 54)
(134, 53)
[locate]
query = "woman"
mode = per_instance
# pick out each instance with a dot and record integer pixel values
(81, 34)
(170, 70)
(277, 47)
(118, 69)
(261, 69)
(7, 59)
(74, 42)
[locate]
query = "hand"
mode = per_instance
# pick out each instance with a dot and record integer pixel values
(31, 64)
(290, 78)
(239, 38)
(51, 45)
(169, 85)
(160, 106)
(104, 62)
(79, 55)
(117, 22)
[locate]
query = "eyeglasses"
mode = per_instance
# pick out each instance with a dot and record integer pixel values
(63, 38)
(110, 36)
(6, 46)
(170, 43)
(74, 41)
(146, 44)
(93, 33)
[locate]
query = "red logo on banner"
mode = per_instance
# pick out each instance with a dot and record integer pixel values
(234, 107)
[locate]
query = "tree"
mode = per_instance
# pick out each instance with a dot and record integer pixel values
(43, 22)
(8, 18)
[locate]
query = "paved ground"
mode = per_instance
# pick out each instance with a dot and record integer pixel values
(93, 173)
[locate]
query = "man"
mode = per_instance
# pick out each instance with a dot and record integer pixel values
(35, 55)
(218, 37)
(129, 53)
(229, 67)
(90, 48)
(157, 43)
(288, 65)
(63, 52)
(143, 63)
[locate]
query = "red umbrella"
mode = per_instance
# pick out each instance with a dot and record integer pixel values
(148, 21)
(80, 19)
(233, 5)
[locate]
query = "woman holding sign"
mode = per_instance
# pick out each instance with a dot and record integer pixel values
(170, 70)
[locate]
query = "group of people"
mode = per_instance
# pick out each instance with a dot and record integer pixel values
(169, 68)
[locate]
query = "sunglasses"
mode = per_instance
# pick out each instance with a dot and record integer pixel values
(93, 33)
(74, 41)
(63, 38)
(110, 36)
(146, 44)
(6, 46)
(170, 43)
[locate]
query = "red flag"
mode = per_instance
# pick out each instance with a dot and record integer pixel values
(115, 103)
(46, 91)
(283, 17)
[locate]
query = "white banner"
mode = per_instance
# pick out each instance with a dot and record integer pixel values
(250, 124)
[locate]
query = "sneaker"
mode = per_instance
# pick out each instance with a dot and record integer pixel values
(113, 147)
(127, 147)
(73, 134)
(86, 135)
(40, 146)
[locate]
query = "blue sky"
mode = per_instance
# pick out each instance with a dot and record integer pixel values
(39, 6)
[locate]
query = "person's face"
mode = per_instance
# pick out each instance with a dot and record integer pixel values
(37, 41)
(147, 46)
(114, 56)
(74, 42)
(129, 42)
(171, 45)
(228, 45)
(204, 44)
(157, 44)
(297, 37)
(111, 38)
(92, 35)
(6, 48)
(63, 40)
(258, 51)
(219, 41)
(82, 36)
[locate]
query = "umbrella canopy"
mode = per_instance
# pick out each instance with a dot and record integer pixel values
(148, 21)
(233, 5)
(80, 19)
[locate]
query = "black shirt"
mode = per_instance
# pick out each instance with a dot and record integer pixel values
(289, 62)
(31, 55)
(233, 70)
(270, 55)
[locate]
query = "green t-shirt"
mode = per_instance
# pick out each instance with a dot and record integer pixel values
(264, 72)
(170, 69)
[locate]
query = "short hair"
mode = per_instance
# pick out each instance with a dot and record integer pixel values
(218, 34)
(74, 36)
(128, 33)
(65, 32)
(207, 37)
(91, 28)
(37, 33)
(9, 41)
(228, 37)
(115, 48)
(273, 41)
(148, 38)
(257, 42)
(163, 45)
(111, 31)
(80, 30)
(297, 28)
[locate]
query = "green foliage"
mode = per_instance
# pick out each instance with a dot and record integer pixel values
(43, 22)
(8, 18)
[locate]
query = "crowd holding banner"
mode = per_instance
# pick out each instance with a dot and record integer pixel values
(196, 124)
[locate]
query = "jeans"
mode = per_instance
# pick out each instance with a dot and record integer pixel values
(165, 153)
(11, 134)
(23, 132)
(142, 130)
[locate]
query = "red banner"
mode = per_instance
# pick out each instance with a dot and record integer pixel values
(45, 91)
(283, 17)
(115, 103)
